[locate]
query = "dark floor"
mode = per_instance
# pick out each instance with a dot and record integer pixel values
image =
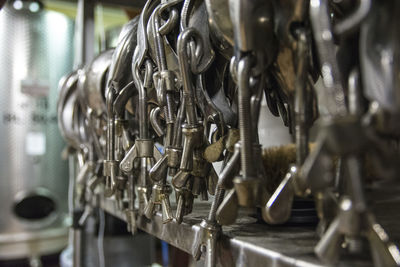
(47, 261)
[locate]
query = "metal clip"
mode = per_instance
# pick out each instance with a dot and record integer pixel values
(184, 203)
(159, 196)
(193, 137)
(143, 148)
(110, 169)
(206, 240)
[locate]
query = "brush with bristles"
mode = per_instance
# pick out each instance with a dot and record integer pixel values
(276, 162)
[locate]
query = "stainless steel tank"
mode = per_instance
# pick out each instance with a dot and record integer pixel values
(35, 52)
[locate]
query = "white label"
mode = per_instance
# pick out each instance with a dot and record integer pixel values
(35, 88)
(35, 143)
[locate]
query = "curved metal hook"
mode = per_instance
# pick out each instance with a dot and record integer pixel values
(184, 39)
(173, 17)
(155, 122)
(122, 99)
(192, 37)
(140, 86)
(171, 22)
(352, 21)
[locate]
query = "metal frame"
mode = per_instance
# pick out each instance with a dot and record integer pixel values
(85, 32)
(245, 243)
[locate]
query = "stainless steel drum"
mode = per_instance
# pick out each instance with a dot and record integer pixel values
(35, 52)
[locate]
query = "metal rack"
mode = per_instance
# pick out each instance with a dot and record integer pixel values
(245, 243)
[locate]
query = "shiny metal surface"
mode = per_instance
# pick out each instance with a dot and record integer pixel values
(220, 24)
(378, 56)
(94, 81)
(35, 51)
(245, 243)
(201, 83)
(26, 244)
(322, 26)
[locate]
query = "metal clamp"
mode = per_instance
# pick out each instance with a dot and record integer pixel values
(159, 196)
(143, 148)
(206, 240)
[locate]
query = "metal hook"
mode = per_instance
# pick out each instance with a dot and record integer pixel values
(351, 22)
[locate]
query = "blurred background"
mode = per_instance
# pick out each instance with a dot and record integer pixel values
(40, 41)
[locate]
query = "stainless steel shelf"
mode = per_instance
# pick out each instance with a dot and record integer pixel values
(246, 243)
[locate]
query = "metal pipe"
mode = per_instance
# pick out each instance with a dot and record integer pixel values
(85, 32)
